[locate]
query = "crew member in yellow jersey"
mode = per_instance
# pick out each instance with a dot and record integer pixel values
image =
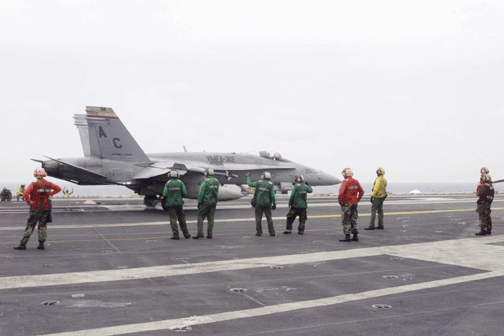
(377, 198)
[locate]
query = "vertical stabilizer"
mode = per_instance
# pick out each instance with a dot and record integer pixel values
(107, 136)
(82, 126)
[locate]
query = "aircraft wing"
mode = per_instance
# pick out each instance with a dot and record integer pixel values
(162, 168)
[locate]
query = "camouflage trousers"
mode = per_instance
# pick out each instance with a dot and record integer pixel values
(177, 213)
(377, 206)
(291, 216)
(259, 210)
(207, 211)
(349, 217)
(35, 216)
(485, 217)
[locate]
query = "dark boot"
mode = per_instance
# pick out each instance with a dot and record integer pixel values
(355, 237)
(370, 227)
(187, 235)
(175, 238)
(481, 233)
(346, 239)
(41, 246)
(287, 231)
(198, 236)
(380, 228)
(20, 247)
(300, 232)
(209, 236)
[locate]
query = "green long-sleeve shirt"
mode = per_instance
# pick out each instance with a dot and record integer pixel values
(298, 196)
(174, 190)
(265, 192)
(209, 191)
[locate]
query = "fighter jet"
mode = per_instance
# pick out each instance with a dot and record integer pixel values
(112, 156)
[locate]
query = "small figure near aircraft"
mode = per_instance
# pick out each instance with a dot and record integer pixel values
(6, 194)
(485, 193)
(20, 192)
(350, 194)
(264, 201)
(173, 192)
(298, 205)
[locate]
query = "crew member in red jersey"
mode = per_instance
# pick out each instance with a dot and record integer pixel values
(37, 196)
(350, 193)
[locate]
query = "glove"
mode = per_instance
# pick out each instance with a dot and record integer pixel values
(371, 200)
(273, 207)
(199, 206)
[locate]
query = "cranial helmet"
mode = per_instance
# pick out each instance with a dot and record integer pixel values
(173, 174)
(299, 178)
(39, 173)
(209, 172)
(485, 170)
(380, 171)
(347, 172)
(266, 176)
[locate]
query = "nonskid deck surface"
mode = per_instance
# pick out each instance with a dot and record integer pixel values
(110, 268)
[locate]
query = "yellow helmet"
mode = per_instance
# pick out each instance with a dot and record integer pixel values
(380, 171)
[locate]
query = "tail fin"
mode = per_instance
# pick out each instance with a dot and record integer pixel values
(104, 136)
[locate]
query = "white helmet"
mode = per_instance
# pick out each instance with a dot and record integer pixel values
(173, 174)
(39, 173)
(266, 176)
(485, 170)
(347, 172)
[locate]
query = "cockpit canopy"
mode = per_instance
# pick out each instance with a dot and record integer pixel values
(270, 155)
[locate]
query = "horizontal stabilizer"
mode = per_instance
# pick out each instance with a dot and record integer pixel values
(72, 173)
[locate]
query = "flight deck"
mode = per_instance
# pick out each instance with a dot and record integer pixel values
(110, 268)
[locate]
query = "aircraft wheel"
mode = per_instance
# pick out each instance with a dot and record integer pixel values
(150, 201)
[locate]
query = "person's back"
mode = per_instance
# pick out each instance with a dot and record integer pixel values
(299, 196)
(209, 191)
(174, 191)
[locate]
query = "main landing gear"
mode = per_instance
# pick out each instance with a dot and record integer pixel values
(152, 200)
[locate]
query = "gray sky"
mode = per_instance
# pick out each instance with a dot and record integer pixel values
(413, 86)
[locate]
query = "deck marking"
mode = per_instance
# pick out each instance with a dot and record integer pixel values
(469, 252)
(480, 253)
(274, 309)
(83, 226)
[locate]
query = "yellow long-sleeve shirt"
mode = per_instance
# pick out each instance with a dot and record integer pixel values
(380, 187)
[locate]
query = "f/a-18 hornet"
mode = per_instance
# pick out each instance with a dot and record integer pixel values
(112, 156)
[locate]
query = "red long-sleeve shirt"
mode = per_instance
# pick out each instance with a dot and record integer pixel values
(350, 191)
(37, 196)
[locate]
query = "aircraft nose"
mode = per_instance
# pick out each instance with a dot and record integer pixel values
(328, 179)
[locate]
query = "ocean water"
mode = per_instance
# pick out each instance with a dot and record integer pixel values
(394, 188)
(423, 187)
